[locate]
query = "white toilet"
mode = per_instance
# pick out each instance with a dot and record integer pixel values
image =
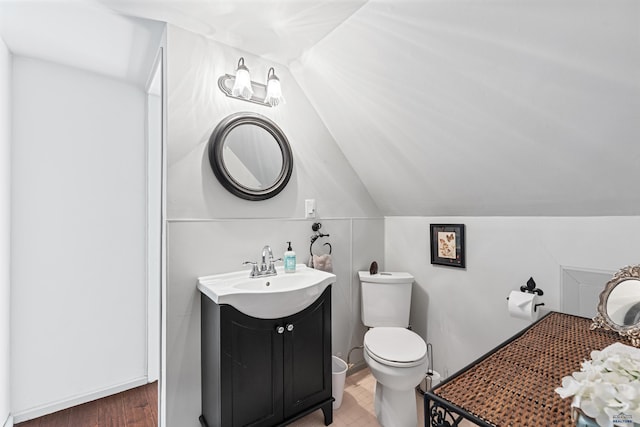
(397, 357)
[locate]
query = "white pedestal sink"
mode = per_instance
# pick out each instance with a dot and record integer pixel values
(267, 297)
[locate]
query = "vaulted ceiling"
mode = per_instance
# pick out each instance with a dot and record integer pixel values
(487, 107)
(442, 107)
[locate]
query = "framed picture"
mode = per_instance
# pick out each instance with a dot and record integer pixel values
(447, 245)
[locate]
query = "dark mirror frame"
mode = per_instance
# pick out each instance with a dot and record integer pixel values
(216, 159)
(603, 320)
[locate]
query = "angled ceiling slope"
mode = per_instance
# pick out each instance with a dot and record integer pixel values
(273, 29)
(82, 34)
(119, 38)
(495, 107)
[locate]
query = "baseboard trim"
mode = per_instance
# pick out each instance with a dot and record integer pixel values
(50, 408)
(9, 421)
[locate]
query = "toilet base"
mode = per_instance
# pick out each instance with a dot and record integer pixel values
(395, 398)
(395, 408)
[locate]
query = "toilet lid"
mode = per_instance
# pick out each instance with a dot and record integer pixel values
(396, 345)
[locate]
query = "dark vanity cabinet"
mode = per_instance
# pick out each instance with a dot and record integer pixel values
(265, 372)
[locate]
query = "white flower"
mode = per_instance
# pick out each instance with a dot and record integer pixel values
(569, 387)
(607, 385)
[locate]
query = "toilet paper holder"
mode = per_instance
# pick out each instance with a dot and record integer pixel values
(530, 287)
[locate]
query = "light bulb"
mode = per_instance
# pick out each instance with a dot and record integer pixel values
(274, 89)
(242, 85)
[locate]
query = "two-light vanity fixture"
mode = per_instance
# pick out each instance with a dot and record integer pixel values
(240, 86)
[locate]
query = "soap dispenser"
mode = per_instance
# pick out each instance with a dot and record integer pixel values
(289, 260)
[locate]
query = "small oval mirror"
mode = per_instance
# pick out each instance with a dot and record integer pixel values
(250, 156)
(623, 303)
(619, 306)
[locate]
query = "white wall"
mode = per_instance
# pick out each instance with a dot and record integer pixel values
(463, 312)
(211, 231)
(5, 230)
(78, 242)
(154, 216)
(196, 105)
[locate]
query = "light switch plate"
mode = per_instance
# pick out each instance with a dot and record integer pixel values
(310, 208)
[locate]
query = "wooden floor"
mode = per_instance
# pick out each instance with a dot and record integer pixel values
(137, 407)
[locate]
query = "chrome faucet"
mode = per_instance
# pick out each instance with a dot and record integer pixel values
(267, 265)
(264, 267)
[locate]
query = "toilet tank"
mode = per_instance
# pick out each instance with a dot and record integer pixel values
(386, 298)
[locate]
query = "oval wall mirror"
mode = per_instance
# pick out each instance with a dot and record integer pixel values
(250, 156)
(619, 306)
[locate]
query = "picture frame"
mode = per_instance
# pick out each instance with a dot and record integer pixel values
(448, 245)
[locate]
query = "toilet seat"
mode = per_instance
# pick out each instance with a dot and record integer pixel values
(394, 346)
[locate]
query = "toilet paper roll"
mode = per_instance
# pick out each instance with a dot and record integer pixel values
(522, 305)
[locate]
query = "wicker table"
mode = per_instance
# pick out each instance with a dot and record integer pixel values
(513, 385)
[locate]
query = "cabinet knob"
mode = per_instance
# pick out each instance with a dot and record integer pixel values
(290, 327)
(280, 329)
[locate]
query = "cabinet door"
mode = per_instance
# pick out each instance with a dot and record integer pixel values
(307, 356)
(251, 370)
